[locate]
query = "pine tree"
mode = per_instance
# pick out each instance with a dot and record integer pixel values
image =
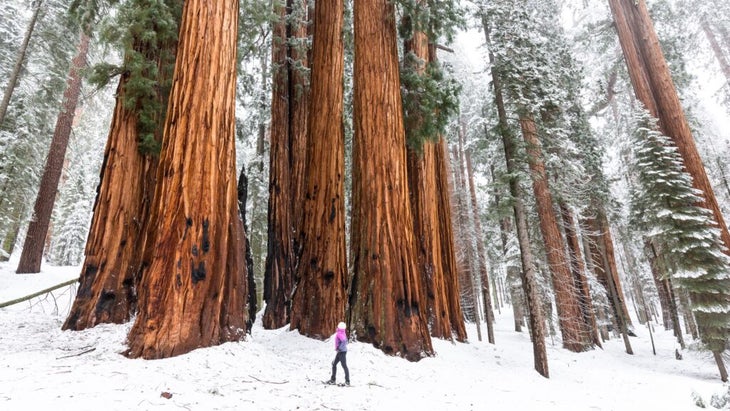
(667, 207)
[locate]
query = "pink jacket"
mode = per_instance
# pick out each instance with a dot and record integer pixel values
(341, 341)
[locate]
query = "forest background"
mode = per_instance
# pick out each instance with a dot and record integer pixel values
(546, 54)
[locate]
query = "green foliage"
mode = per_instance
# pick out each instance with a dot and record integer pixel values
(666, 207)
(86, 13)
(146, 30)
(429, 97)
(439, 19)
(429, 100)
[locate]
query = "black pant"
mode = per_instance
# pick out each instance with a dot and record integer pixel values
(342, 359)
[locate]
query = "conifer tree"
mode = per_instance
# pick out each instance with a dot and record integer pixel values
(667, 207)
(115, 250)
(27, 128)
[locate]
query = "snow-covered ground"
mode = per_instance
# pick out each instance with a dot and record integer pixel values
(42, 367)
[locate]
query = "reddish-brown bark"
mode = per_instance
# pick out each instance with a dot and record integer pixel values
(576, 336)
(386, 305)
(653, 86)
(320, 296)
(194, 292)
(280, 261)
(107, 293)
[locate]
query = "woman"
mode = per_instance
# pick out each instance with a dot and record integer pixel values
(341, 348)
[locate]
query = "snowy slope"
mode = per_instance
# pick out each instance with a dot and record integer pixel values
(42, 367)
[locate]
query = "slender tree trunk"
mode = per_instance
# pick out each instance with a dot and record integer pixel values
(463, 249)
(622, 317)
(602, 257)
(30, 258)
(280, 261)
(720, 365)
(528, 274)
(663, 281)
(653, 86)
(194, 292)
(661, 289)
(674, 310)
(689, 317)
(576, 336)
(15, 74)
(481, 253)
(320, 295)
(529, 284)
(386, 305)
(716, 49)
(609, 256)
(11, 235)
(579, 274)
(512, 272)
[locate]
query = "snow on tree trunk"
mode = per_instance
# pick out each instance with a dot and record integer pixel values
(535, 314)
(320, 296)
(194, 292)
(387, 307)
(30, 258)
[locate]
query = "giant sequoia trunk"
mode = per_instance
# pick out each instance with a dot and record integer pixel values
(115, 246)
(576, 336)
(423, 180)
(653, 86)
(280, 261)
(194, 292)
(30, 258)
(320, 296)
(386, 305)
(107, 292)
